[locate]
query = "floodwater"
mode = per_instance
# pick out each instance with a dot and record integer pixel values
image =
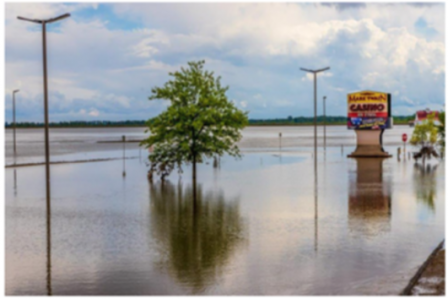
(256, 226)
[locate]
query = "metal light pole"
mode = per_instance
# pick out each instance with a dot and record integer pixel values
(14, 119)
(315, 112)
(325, 127)
(44, 55)
(47, 147)
(315, 147)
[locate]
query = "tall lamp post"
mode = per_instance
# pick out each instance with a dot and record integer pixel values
(14, 119)
(44, 54)
(314, 72)
(315, 147)
(47, 147)
(325, 127)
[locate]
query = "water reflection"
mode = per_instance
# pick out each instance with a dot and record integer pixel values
(316, 217)
(15, 177)
(198, 235)
(425, 184)
(369, 207)
(48, 216)
(49, 289)
(15, 182)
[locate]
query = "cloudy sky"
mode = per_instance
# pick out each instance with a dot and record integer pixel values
(104, 59)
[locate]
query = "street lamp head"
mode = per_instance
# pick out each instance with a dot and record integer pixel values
(57, 18)
(30, 20)
(314, 71)
(324, 69)
(17, 90)
(45, 21)
(325, 97)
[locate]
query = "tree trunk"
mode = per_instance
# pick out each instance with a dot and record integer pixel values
(194, 168)
(194, 187)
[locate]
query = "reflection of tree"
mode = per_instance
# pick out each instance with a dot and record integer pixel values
(425, 184)
(198, 237)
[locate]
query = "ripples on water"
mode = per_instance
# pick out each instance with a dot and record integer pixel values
(255, 226)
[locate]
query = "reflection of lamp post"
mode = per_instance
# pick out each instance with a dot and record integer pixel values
(44, 55)
(14, 119)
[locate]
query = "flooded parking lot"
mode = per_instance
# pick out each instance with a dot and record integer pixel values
(256, 225)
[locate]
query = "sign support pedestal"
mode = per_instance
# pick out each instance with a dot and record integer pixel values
(369, 144)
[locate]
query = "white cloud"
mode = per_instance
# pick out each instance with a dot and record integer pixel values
(257, 48)
(94, 113)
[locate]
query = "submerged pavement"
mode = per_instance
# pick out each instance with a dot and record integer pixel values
(431, 281)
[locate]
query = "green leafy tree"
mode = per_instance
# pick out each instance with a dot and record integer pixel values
(199, 123)
(425, 136)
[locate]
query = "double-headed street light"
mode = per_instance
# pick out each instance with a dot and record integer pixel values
(47, 147)
(14, 119)
(315, 150)
(44, 54)
(315, 111)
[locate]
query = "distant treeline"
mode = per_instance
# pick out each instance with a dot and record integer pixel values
(80, 123)
(330, 120)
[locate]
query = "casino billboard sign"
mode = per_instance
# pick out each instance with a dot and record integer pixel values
(368, 110)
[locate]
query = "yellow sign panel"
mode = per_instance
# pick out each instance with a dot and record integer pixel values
(367, 104)
(367, 97)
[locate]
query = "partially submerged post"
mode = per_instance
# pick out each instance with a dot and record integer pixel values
(280, 140)
(404, 137)
(369, 114)
(124, 149)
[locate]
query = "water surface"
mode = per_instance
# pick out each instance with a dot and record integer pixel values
(254, 226)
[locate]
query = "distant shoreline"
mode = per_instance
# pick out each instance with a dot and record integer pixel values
(251, 125)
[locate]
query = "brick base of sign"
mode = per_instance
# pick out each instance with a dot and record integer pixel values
(369, 151)
(369, 145)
